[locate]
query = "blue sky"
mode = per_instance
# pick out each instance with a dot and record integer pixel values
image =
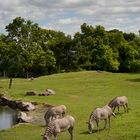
(68, 15)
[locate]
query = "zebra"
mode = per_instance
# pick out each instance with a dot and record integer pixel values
(119, 101)
(54, 112)
(98, 114)
(59, 125)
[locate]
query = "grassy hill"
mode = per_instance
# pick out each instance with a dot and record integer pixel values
(81, 92)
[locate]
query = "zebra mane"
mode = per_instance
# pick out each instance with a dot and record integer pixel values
(112, 101)
(91, 114)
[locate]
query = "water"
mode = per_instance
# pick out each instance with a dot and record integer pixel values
(7, 117)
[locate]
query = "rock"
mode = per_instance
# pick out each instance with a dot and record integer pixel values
(31, 78)
(44, 94)
(25, 106)
(4, 100)
(17, 104)
(34, 103)
(47, 93)
(13, 104)
(50, 91)
(40, 94)
(31, 93)
(22, 117)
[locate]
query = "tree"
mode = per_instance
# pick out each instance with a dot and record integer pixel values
(62, 47)
(104, 58)
(2, 54)
(94, 51)
(127, 55)
(129, 36)
(11, 60)
(116, 38)
(28, 37)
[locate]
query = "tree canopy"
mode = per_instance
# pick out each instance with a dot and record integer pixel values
(29, 50)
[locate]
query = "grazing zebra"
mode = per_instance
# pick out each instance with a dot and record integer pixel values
(58, 125)
(98, 114)
(119, 101)
(54, 112)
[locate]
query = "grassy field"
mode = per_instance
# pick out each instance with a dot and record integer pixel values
(81, 92)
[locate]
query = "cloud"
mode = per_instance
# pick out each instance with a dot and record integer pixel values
(70, 21)
(68, 15)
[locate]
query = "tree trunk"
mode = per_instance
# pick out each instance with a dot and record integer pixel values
(10, 83)
(27, 74)
(4, 73)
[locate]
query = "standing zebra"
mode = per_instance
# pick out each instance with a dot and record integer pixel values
(119, 101)
(58, 125)
(98, 114)
(54, 112)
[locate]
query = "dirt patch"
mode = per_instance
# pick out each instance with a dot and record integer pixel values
(38, 114)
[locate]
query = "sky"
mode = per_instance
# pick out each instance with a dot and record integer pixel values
(68, 15)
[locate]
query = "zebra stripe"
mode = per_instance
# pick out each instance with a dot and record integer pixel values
(49, 130)
(93, 116)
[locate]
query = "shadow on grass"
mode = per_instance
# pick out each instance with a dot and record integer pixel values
(134, 80)
(118, 113)
(94, 131)
(121, 113)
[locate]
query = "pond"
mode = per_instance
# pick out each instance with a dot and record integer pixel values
(7, 117)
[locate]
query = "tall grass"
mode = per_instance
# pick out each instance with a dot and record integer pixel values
(81, 92)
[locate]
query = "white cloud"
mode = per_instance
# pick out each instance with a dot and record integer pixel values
(70, 21)
(65, 21)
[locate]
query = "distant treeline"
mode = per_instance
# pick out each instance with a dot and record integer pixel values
(29, 50)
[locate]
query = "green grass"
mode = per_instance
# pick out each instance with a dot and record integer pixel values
(81, 92)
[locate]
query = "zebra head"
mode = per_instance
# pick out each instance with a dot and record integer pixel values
(90, 127)
(46, 137)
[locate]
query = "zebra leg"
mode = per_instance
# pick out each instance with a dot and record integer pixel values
(97, 123)
(126, 107)
(118, 109)
(105, 124)
(71, 132)
(125, 110)
(109, 122)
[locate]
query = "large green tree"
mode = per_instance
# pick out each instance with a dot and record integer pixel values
(94, 51)
(10, 60)
(62, 47)
(28, 37)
